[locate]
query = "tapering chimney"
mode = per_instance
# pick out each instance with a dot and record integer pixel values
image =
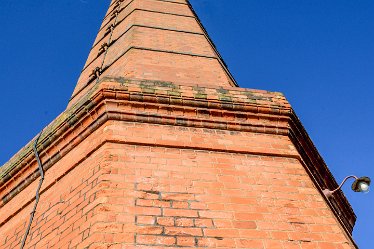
(159, 148)
(153, 40)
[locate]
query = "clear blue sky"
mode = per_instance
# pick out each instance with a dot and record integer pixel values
(319, 53)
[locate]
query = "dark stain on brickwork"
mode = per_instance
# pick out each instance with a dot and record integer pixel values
(179, 223)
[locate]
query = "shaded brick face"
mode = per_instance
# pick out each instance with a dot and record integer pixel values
(63, 218)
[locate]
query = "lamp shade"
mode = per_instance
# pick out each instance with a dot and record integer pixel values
(361, 184)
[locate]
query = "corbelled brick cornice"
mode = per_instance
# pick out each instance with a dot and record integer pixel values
(165, 103)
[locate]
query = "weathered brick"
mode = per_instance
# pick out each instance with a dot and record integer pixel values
(184, 222)
(155, 240)
(186, 241)
(183, 231)
(145, 220)
(180, 212)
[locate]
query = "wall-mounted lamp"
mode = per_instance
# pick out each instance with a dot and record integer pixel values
(361, 184)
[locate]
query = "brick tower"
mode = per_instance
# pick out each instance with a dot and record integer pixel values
(159, 148)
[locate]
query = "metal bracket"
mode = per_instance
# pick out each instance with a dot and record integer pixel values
(118, 3)
(115, 12)
(103, 48)
(96, 73)
(109, 29)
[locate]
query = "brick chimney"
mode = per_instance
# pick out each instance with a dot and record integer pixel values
(159, 148)
(153, 40)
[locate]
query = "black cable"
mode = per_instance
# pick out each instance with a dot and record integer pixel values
(112, 26)
(41, 171)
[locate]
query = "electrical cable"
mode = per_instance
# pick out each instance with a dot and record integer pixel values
(37, 195)
(40, 165)
(112, 26)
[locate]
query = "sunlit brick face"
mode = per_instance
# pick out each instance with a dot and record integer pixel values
(153, 40)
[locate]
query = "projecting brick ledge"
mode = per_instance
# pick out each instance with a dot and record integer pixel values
(235, 99)
(165, 103)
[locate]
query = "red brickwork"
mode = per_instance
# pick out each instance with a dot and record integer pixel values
(133, 171)
(144, 195)
(154, 40)
(159, 151)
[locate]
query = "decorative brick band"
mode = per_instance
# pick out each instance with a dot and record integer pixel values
(199, 107)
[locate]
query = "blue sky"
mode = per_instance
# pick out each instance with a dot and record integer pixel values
(319, 53)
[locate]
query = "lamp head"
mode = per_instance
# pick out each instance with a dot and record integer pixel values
(361, 184)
